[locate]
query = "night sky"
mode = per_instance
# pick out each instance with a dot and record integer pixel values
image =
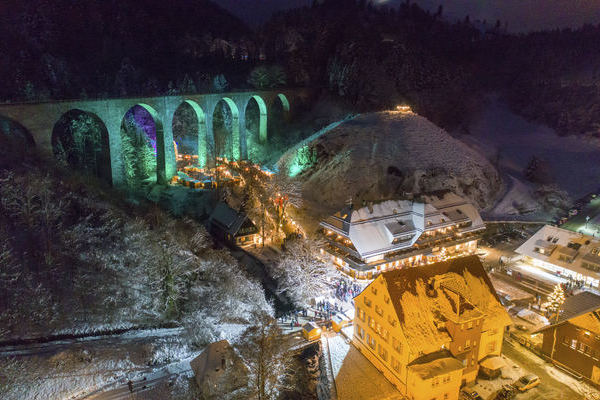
(522, 15)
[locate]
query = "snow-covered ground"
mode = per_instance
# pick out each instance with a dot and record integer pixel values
(532, 317)
(497, 132)
(538, 273)
(383, 154)
(101, 366)
(509, 291)
(355, 377)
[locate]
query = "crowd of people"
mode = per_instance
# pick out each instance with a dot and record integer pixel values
(345, 290)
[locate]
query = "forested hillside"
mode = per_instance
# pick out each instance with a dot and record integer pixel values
(76, 258)
(370, 57)
(70, 49)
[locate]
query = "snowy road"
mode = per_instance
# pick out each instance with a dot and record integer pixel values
(105, 341)
(555, 385)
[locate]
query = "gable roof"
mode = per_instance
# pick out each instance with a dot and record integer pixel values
(424, 298)
(582, 309)
(227, 218)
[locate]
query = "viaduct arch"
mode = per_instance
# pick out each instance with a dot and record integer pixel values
(39, 120)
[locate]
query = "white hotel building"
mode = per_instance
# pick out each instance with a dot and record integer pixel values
(569, 254)
(398, 233)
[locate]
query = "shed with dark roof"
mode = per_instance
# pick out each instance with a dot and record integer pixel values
(233, 227)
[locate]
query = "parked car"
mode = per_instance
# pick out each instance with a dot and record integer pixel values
(527, 382)
(508, 392)
(470, 394)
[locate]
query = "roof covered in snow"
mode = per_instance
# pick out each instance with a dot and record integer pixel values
(425, 298)
(435, 364)
(393, 225)
(566, 249)
(582, 310)
(212, 363)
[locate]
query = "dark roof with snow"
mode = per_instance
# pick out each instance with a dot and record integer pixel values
(228, 219)
(582, 309)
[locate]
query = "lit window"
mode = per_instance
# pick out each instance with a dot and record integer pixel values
(395, 364)
(371, 342)
(383, 353)
(397, 345)
(391, 320)
(385, 335)
(360, 331)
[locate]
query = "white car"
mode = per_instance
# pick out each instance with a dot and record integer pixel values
(527, 382)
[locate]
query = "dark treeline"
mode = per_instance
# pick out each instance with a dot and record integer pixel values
(71, 49)
(370, 57)
(377, 57)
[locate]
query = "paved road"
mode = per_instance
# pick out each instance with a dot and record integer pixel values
(551, 388)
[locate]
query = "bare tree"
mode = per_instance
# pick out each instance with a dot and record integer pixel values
(301, 273)
(266, 355)
(284, 192)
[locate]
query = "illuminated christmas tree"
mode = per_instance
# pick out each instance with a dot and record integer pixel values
(555, 300)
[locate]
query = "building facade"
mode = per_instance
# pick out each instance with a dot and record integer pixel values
(233, 227)
(566, 253)
(573, 341)
(399, 233)
(426, 329)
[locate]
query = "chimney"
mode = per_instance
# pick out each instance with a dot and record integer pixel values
(370, 207)
(431, 289)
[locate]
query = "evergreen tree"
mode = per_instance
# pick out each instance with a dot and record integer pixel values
(555, 300)
(220, 84)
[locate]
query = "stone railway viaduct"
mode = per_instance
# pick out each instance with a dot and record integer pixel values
(39, 120)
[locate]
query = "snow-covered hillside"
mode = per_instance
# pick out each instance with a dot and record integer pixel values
(382, 155)
(500, 134)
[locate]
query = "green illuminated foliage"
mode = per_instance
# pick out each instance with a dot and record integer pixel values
(305, 158)
(139, 160)
(78, 142)
(264, 77)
